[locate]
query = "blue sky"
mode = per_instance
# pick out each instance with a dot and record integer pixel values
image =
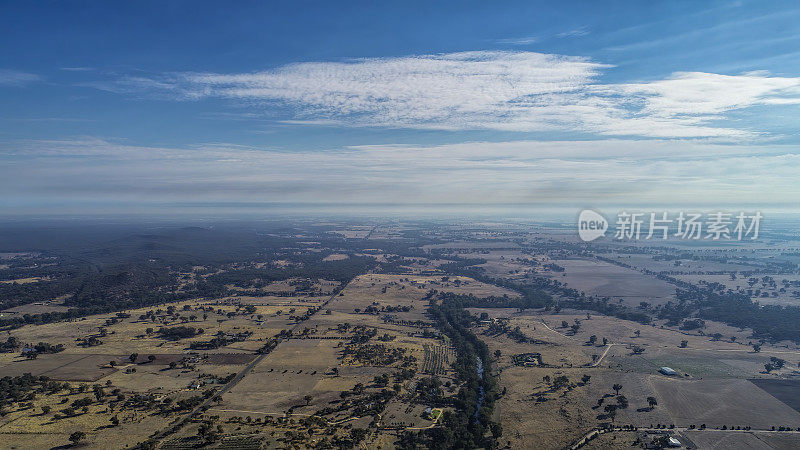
(109, 106)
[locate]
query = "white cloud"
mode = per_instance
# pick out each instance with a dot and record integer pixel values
(708, 95)
(452, 91)
(510, 91)
(17, 78)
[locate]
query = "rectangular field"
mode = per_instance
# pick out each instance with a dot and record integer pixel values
(729, 402)
(608, 280)
(787, 391)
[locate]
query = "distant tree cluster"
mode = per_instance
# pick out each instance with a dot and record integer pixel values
(11, 345)
(179, 332)
(23, 388)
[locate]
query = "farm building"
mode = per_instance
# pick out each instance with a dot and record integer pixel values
(528, 359)
(668, 371)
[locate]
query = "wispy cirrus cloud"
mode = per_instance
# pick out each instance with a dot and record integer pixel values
(533, 39)
(16, 78)
(526, 40)
(489, 90)
(575, 32)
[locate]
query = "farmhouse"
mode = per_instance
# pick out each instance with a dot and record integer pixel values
(528, 359)
(668, 371)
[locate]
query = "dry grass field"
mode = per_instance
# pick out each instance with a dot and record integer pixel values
(314, 374)
(719, 440)
(713, 384)
(782, 293)
(502, 263)
(355, 232)
(317, 370)
(24, 280)
(35, 308)
(685, 265)
(483, 245)
(609, 280)
(718, 402)
(176, 370)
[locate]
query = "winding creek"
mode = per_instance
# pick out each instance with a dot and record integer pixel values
(481, 393)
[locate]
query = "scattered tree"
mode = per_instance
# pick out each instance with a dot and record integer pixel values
(77, 437)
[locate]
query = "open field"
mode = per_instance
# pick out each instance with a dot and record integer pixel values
(355, 232)
(723, 402)
(175, 371)
(787, 391)
(715, 385)
(317, 374)
(36, 308)
(66, 367)
(653, 263)
(714, 440)
(608, 280)
(305, 374)
(484, 245)
(24, 280)
(131, 335)
(511, 263)
(785, 290)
